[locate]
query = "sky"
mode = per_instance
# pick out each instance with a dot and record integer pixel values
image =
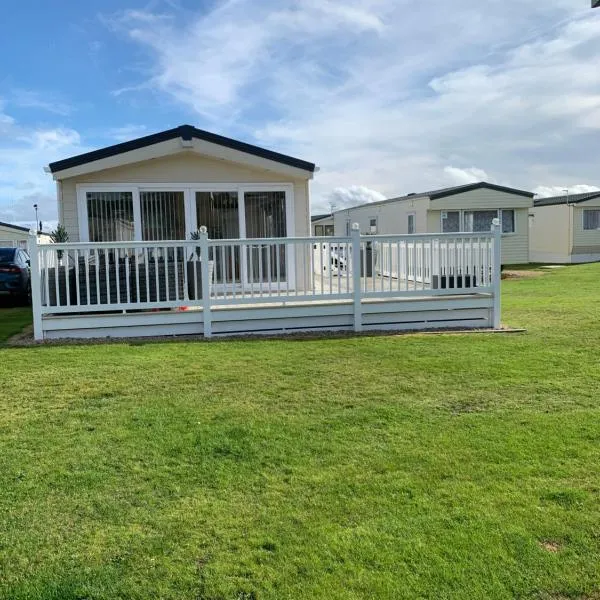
(387, 97)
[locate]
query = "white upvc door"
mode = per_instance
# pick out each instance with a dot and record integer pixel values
(173, 211)
(247, 211)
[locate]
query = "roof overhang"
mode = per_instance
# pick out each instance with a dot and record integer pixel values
(179, 140)
(477, 186)
(15, 227)
(320, 218)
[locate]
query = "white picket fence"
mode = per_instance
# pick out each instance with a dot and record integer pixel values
(94, 278)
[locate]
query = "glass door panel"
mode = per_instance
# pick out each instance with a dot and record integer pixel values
(110, 216)
(265, 217)
(219, 212)
(163, 216)
(163, 219)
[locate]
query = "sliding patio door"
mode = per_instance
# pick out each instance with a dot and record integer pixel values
(245, 213)
(163, 215)
(110, 216)
(219, 212)
(265, 217)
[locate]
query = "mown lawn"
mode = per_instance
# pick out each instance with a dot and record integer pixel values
(456, 466)
(12, 319)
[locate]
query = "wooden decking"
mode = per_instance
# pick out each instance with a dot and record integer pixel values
(402, 282)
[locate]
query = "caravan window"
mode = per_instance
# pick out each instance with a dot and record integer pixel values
(591, 219)
(451, 221)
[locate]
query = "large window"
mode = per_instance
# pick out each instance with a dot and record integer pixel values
(479, 220)
(163, 216)
(591, 219)
(451, 221)
(265, 218)
(508, 220)
(323, 230)
(265, 214)
(127, 212)
(219, 212)
(110, 216)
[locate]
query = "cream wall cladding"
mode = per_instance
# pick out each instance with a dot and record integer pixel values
(179, 170)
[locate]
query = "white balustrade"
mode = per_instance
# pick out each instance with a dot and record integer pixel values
(136, 276)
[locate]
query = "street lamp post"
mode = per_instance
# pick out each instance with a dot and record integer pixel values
(37, 223)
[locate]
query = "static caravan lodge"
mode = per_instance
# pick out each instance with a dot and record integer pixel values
(467, 208)
(566, 229)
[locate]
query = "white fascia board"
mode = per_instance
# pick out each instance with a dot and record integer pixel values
(250, 160)
(177, 145)
(159, 150)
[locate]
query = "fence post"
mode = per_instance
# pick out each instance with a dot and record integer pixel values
(205, 270)
(497, 272)
(356, 292)
(36, 285)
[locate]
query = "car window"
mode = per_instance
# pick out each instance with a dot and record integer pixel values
(7, 255)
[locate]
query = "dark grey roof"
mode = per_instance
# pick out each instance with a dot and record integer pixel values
(314, 218)
(451, 191)
(17, 227)
(186, 132)
(570, 199)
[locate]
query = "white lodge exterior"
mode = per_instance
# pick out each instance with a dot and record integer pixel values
(188, 232)
(468, 208)
(566, 229)
(159, 188)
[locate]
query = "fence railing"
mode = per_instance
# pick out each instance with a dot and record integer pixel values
(86, 277)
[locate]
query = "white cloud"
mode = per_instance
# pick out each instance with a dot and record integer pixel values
(218, 60)
(391, 95)
(53, 139)
(23, 155)
(127, 132)
(386, 96)
(36, 100)
(547, 191)
(342, 197)
(466, 176)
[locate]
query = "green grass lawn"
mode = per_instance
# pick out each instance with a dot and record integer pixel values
(13, 320)
(455, 466)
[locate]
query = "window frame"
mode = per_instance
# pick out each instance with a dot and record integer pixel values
(583, 211)
(501, 217)
(189, 190)
(462, 228)
(370, 226)
(460, 220)
(414, 221)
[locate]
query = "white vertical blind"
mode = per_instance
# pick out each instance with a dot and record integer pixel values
(163, 215)
(265, 218)
(219, 213)
(110, 216)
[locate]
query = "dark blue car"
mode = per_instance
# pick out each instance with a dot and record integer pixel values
(15, 275)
